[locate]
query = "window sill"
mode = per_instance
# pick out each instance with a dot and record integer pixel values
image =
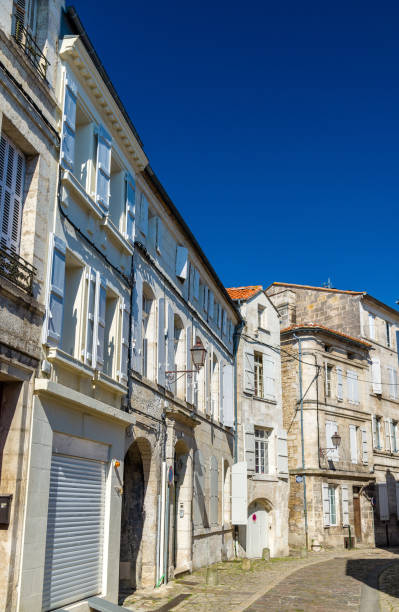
(105, 381)
(59, 357)
(265, 477)
(265, 399)
(113, 231)
(72, 182)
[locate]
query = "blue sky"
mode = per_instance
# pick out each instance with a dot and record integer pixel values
(274, 127)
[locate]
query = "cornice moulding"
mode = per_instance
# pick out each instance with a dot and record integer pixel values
(74, 53)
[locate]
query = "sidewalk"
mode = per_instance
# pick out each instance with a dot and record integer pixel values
(389, 588)
(237, 589)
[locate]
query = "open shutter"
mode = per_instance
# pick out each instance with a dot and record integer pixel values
(221, 399)
(239, 494)
(69, 123)
(104, 144)
(143, 214)
(224, 322)
(189, 366)
(249, 446)
(137, 321)
(125, 312)
(345, 505)
(395, 388)
(214, 486)
(100, 319)
(249, 371)
(206, 298)
(269, 377)
(171, 343)
(12, 175)
(375, 433)
(181, 262)
(130, 207)
(326, 505)
(387, 427)
(196, 283)
(219, 316)
(228, 396)
(211, 305)
(349, 385)
(364, 446)
(383, 506)
(161, 342)
(340, 388)
(282, 452)
(376, 375)
(158, 235)
(397, 499)
(199, 511)
(90, 312)
(353, 443)
(56, 297)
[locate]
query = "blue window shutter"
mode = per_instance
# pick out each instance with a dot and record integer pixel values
(130, 207)
(56, 298)
(137, 321)
(69, 123)
(181, 262)
(100, 319)
(104, 145)
(196, 283)
(143, 214)
(159, 235)
(90, 316)
(189, 366)
(123, 374)
(211, 305)
(161, 342)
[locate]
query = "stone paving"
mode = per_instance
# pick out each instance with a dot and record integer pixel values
(320, 582)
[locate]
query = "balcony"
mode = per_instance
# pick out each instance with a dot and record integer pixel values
(28, 44)
(16, 269)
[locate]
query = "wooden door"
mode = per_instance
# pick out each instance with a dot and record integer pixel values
(357, 517)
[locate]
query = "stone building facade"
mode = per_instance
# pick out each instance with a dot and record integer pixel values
(29, 145)
(360, 315)
(262, 439)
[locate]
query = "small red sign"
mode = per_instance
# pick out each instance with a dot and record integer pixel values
(254, 517)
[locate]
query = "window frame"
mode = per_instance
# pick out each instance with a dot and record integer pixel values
(333, 488)
(258, 375)
(261, 439)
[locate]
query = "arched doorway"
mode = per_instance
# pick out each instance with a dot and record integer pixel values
(257, 529)
(182, 507)
(136, 476)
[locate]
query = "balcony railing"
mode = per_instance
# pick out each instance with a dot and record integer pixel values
(26, 41)
(16, 269)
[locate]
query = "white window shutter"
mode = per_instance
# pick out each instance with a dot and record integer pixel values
(69, 123)
(161, 342)
(221, 398)
(143, 214)
(397, 499)
(326, 505)
(356, 398)
(387, 427)
(159, 235)
(214, 490)
(349, 386)
(137, 322)
(249, 446)
(345, 505)
(199, 510)
(392, 440)
(181, 262)
(269, 376)
(249, 372)
(130, 207)
(57, 290)
(12, 176)
(88, 352)
(100, 319)
(171, 338)
(125, 312)
(340, 387)
(364, 446)
(189, 366)
(282, 452)
(196, 283)
(224, 322)
(239, 494)
(383, 505)
(104, 144)
(211, 304)
(376, 375)
(228, 395)
(353, 442)
(395, 394)
(375, 433)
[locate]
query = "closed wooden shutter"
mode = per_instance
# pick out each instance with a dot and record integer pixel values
(75, 531)
(104, 144)
(56, 296)
(249, 446)
(214, 490)
(383, 506)
(221, 399)
(269, 375)
(345, 505)
(12, 175)
(69, 123)
(282, 452)
(239, 494)
(249, 371)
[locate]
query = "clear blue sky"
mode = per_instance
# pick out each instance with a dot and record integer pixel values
(274, 127)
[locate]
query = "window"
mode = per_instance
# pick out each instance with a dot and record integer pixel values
(12, 173)
(27, 34)
(215, 387)
(388, 332)
(340, 386)
(85, 158)
(261, 451)
(110, 332)
(258, 371)
(393, 383)
(332, 498)
(353, 442)
(181, 262)
(394, 434)
(377, 429)
(328, 372)
(371, 326)
(262, 317)
(143, 214)
(71, 318)
(148, 334)
(352, 387)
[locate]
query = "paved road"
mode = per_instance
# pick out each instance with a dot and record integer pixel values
(338, 585)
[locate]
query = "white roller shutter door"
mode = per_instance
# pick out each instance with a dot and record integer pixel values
(75, 531)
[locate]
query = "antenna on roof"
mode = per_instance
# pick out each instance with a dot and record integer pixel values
(327, 284)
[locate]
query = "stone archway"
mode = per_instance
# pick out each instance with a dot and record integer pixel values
(138, 522)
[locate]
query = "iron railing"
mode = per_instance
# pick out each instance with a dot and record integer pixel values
(16, 269)
(32, 50)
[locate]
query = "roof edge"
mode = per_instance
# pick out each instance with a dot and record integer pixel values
(320, 328)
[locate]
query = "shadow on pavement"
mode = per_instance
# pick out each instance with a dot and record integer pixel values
(368, 572)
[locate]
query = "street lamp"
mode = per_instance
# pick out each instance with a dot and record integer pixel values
(336, 442)
(198, 355)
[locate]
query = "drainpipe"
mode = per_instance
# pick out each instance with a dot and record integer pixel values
(305, 509)
(236, 340)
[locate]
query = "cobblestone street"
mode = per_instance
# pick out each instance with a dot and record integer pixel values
(321, 582)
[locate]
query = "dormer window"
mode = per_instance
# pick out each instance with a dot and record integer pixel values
(262, 317)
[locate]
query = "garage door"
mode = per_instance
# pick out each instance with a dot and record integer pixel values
(75, 531)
